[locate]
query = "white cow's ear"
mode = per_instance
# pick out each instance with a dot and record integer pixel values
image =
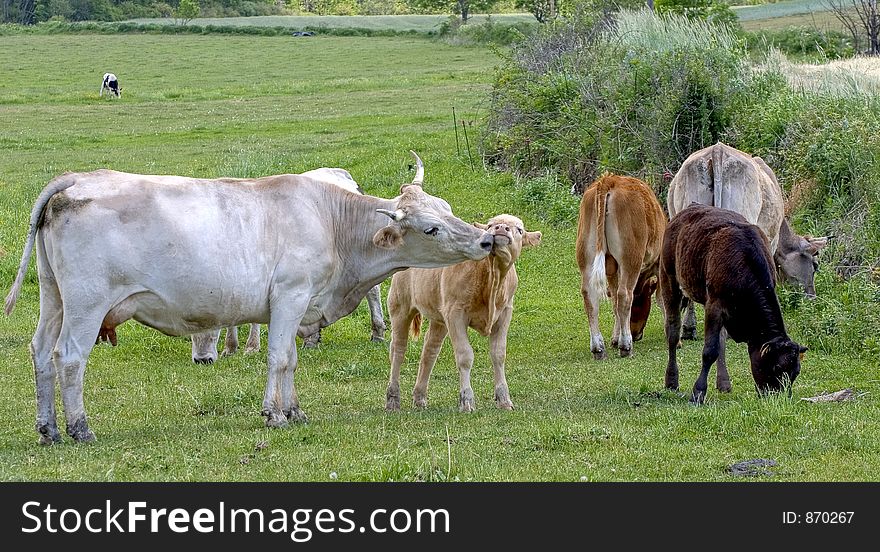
(531, 238)
(388, 237)
(481, 226)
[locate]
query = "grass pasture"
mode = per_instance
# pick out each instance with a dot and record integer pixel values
(421, 23)
(271, 105)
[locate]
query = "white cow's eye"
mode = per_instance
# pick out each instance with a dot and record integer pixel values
(432, 231)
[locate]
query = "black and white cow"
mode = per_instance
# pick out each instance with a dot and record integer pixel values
(111, 84)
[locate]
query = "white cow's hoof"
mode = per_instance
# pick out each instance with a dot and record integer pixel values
(297, 416)
(275, 418)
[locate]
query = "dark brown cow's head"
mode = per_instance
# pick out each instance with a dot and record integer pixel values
(776, 364)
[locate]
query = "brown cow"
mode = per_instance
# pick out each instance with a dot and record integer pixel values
(718, 259)
(475, 294)
(620, 229)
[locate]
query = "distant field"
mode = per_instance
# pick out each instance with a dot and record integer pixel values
(781, 15)
(780, 9)
(373, 22)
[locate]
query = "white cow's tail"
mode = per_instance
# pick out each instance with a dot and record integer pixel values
(717, 182)
(598, 278)
(61, 183)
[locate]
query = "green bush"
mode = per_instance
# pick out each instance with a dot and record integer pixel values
(635, 95)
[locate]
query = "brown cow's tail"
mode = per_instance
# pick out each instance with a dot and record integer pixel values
(598, 278)
(59, 184)
(717, 182)
(415, 328)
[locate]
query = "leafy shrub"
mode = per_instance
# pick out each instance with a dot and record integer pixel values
(636, 94)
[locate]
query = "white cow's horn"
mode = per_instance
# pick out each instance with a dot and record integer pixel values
(420, 170)
(394, 215)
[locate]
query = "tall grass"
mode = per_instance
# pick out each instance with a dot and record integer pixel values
(855, 78)
(644, 30)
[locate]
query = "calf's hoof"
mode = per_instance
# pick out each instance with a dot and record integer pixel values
(689, 333)
(698, 397)
(625, 352)
(49, 434)
(227, 352)
(80, 431)
(724, 386)
(599, 355)
(251, 350)
(275, 418)
(392, 404)
(504, 405)
(420, 400)
(466, 401)
(378, 339)
(296, 415)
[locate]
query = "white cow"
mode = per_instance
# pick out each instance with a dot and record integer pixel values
(204, 345)
(113, 246)
(111, 84)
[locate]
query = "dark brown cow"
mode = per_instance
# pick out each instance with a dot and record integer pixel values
(620, 229)
(716, 258)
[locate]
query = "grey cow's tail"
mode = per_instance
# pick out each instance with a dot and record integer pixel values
(58, 184)
(717, 161)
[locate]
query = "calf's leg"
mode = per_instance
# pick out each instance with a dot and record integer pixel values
(433, 342)
(498, 355)
(464, 360)
(400, 322)
(689, 328)
(672, 298)
(623, 306)
(722, 378)
(711, 349)
(592, 299)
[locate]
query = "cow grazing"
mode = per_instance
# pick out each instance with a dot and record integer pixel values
(111, 84)
(476, 294)
(718, 259)
(285, 250)
(725, 177)
(620, 228)
(204, 345)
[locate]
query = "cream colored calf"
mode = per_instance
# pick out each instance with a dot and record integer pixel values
(476, 294)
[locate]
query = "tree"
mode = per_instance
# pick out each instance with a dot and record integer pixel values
(543, 10)
(186, 11)
(462, 7)
(713, 11)
(861, 19)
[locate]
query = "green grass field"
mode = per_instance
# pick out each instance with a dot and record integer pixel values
(246, 106)
(372, 22)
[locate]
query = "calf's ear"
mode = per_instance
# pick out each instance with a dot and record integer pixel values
(388, 237)
(481, 226)
(531, 238)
